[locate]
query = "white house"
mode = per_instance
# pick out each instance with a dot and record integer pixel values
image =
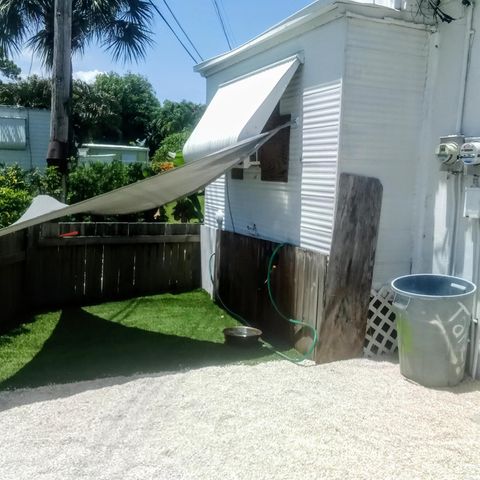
(24, 136)
(373, 88)
(387, 91)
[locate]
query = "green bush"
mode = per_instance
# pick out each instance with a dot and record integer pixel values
(171, 144)
(15, 194)
(12, 205)
(86, 180)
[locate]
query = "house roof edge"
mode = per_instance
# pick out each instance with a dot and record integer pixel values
(308, 18)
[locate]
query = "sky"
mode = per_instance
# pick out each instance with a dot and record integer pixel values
(167, 66)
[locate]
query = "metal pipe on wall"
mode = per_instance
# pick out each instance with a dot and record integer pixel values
(467, 49)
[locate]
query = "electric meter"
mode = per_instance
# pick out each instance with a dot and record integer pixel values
(447, 153)
(470, 153)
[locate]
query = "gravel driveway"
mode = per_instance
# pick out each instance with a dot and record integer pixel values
(356, 419)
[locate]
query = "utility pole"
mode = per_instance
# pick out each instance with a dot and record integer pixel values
(58, 148)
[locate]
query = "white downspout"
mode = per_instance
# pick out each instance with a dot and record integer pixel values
(459, 180)
(475, 331)
(467, 50)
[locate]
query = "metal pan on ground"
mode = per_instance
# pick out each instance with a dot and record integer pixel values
(242, 336)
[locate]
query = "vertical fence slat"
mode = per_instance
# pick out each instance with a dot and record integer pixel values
(12, 272)
(93, 273)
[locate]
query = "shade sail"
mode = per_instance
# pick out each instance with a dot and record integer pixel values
(240, 108)
(146, 194)
(41, 205)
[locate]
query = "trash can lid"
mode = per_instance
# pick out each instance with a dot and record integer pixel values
(431, 285)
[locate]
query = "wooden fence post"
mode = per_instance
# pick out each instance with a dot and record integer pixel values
(32, 235)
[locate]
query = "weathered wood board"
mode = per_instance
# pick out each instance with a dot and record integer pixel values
(350, 268)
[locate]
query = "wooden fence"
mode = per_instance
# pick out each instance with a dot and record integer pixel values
(40, 268)
(298, 280)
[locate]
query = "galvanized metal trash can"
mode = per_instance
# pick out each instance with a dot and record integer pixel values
(433, 315)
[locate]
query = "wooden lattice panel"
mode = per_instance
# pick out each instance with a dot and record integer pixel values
(381, 335)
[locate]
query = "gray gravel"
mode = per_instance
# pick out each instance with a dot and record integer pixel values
(357, 419)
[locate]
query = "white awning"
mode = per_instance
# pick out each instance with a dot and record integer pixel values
(240, 108)
(145, 194)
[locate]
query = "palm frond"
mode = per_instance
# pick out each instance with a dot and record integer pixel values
(119, 26)
(137, 11)
(126, 41)
(14, 28)
(42, 44)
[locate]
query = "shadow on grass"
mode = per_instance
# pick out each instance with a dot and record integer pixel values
(86, 347)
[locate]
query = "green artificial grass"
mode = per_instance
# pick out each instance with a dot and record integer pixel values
(141, 335)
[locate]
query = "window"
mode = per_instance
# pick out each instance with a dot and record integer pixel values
(274, 154)
(13, 134)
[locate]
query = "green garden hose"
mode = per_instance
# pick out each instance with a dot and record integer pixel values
(275, 306)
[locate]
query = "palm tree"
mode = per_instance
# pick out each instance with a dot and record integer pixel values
(121, 27)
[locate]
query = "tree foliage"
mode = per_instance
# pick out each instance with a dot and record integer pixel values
(173, 144)
(114, 109)
(188, 208)
(18, 187)
(32, 92)
(86, 180)
(8, 68)
(93, 114)
(175, 117)
(121, 27)
(131, 101)
(94, 178)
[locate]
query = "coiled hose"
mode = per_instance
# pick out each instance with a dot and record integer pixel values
(275, 306)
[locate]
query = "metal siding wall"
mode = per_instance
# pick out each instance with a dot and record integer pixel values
(214, 201)
(384, 84)
(321, 118)
(276, 208)
(38, 133)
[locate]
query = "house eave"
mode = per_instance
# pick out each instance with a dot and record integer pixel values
(307, 19)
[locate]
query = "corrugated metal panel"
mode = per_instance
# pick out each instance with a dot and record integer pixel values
(214, 201)
(383, 89)
(321, 119)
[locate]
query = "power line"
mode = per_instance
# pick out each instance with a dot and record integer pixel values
(173, 31)
(222, 23)
(227, 23)
(181, 28)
